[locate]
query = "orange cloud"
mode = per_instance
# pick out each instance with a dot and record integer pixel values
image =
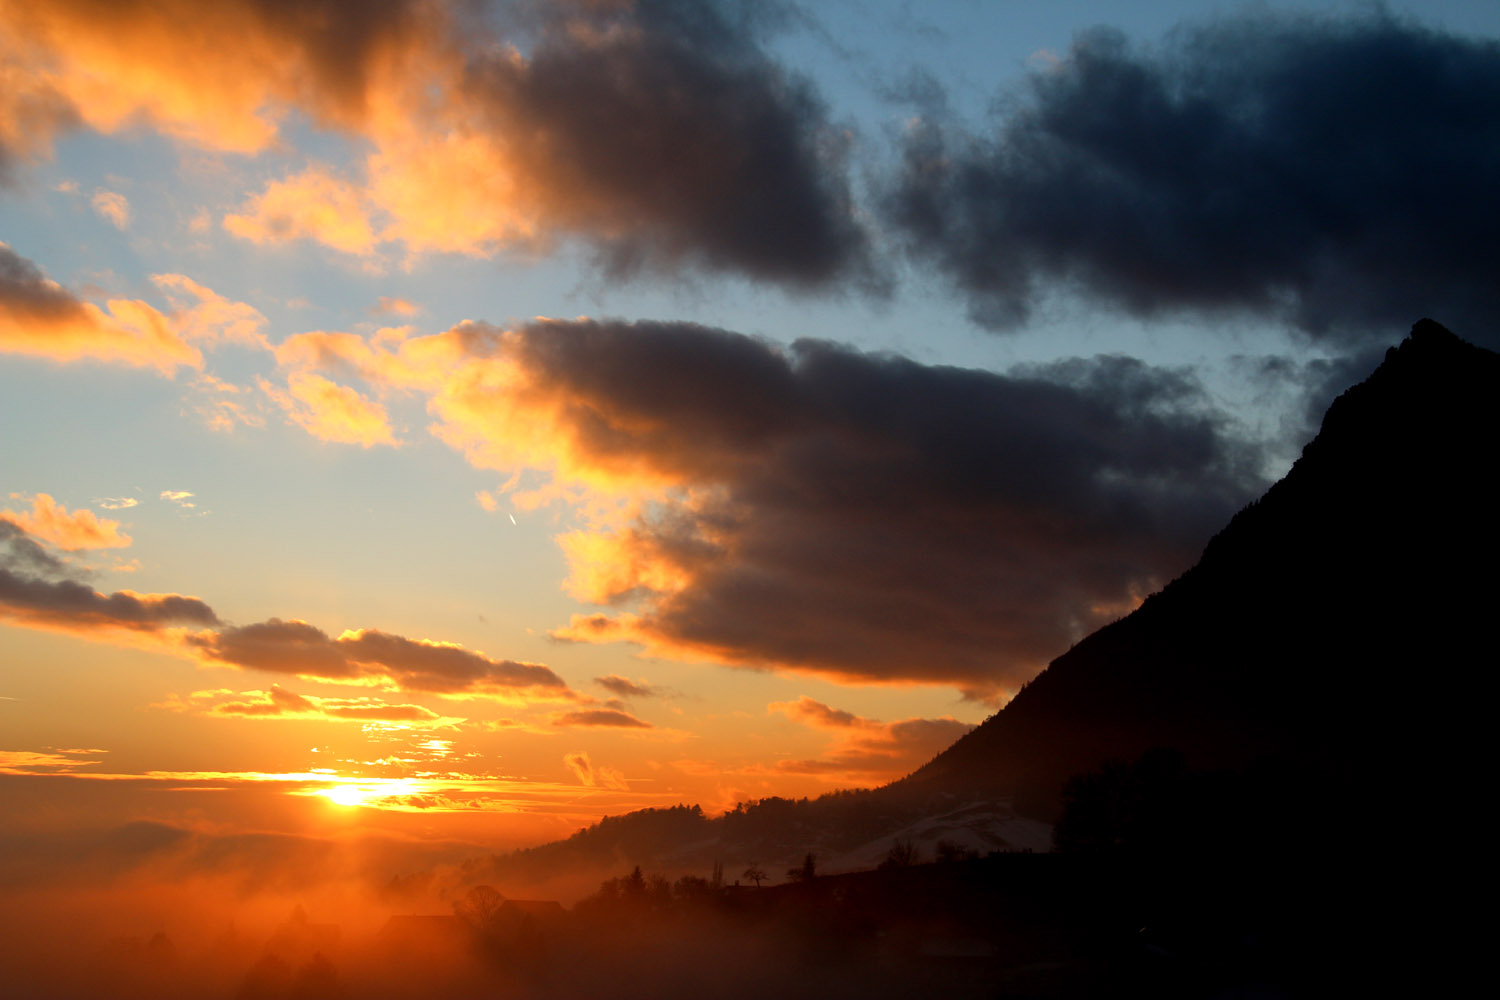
(605, 717)
(223, 406)
(629, 627)
(311, 205)
(815, 713)
(390, 306)
(624, 687)
(81, 529)
(113, 206)
(594, 776)
(621, 124)
(606, 565)
(279, 703)
(219, 76)
(332, 412)
(36, 591)
(41, 318)
(454, 191)
(499, 398)
(867, 748)
(33, 113)
(204, 316)
(346, 353)
(179, 498)
(52, 761)
(372, 656)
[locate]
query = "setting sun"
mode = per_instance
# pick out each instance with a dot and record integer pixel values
(345, 795)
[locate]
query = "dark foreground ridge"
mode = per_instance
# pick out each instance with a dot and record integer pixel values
(1337, 627)
(1268, 776)
(1329, 648)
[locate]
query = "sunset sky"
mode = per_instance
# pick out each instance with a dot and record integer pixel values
(467, 420)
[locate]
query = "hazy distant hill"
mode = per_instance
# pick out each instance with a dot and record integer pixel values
(1339, 626)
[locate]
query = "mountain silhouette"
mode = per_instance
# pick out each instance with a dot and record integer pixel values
(1329, 654)
(1338, 626)
(1266, 780)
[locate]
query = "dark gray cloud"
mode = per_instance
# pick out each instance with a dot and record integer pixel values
(278, 701)
(607, 717)
(295, 647)
(321, 54)
(873, 517)
(895, 749)
(624, 687)
(1301, 391)
(27, 295)
(317, 54)
(276, 646)
(19, 552)
(868, 746)
(664, 133)
(281, 703)
(39, 589)
(443, 667)
(1336, 174)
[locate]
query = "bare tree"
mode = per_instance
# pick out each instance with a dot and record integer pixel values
(755, 873)
(479, 907)
(903, 854)
(952, 850)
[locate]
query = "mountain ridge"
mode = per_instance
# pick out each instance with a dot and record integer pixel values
(1295, 586)
(1286, 645)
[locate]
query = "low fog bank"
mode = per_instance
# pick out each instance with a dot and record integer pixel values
(900, 931)
(157, 909)
(151, 909)
(961, 926)
(1139, 909)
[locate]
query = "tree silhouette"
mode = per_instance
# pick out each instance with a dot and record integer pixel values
(805, 872)
(479, 907)
(693, 889)
(658, 891)
(951, 850)
(903, 854)
(755, 873)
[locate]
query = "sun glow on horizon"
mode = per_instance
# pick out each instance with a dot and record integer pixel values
(345, 795)
(368, 792)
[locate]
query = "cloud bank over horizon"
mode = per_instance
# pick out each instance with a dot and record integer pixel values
(817, 508)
